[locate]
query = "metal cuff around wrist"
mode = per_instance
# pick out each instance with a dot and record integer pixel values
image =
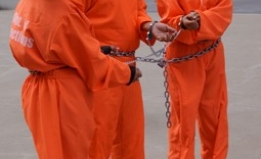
(149, 33)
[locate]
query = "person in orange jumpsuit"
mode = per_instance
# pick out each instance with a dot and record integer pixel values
(54, 41)
(197, 87)
(119, 113)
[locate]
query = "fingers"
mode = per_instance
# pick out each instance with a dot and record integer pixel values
(172, 36)
(164, 38)
(170, 29)
(138, 75)
(163, 32)
(191, 20)
(169, 37)
(172, 33)
(190, 24)
(193, 16)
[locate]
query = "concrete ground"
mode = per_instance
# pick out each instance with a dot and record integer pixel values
(243, 53)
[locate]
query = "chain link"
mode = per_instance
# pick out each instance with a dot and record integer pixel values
(145, 59)
(126, 54)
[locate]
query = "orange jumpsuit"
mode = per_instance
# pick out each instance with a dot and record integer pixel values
(197, 87)
(55, 38)
(119, 113)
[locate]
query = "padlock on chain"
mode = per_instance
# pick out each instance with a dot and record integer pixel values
(162, 63)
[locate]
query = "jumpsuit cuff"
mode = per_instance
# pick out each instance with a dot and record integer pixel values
(133, 72)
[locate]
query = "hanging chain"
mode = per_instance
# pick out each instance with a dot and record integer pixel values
(166, 95)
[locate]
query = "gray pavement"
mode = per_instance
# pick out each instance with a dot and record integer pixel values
(243, 52)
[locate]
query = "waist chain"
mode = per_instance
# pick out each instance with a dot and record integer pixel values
(125, 54)
(162, 61)
(195, 55)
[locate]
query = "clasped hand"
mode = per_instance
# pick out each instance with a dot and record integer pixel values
(191, 21)
(163, 32)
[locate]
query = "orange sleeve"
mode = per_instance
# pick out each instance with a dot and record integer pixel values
(73, 44)
(214, 22)
(170, 12)
(83, 5)
(142, 18)
(88, 5)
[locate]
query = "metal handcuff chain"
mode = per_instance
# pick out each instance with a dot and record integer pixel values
(163, 63)
(167, 95)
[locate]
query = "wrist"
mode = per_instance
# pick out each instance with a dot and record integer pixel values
(181, 23)
(149, 33)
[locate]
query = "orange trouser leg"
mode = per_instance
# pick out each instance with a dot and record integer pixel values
(58, 114)
(106, 115)
(129, 140)
(120, 123)
(197, 89)
(213, 124)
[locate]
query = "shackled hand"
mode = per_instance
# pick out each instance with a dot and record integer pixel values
(163, 32)
(138, 74)
(135, 74)
(190, 21)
